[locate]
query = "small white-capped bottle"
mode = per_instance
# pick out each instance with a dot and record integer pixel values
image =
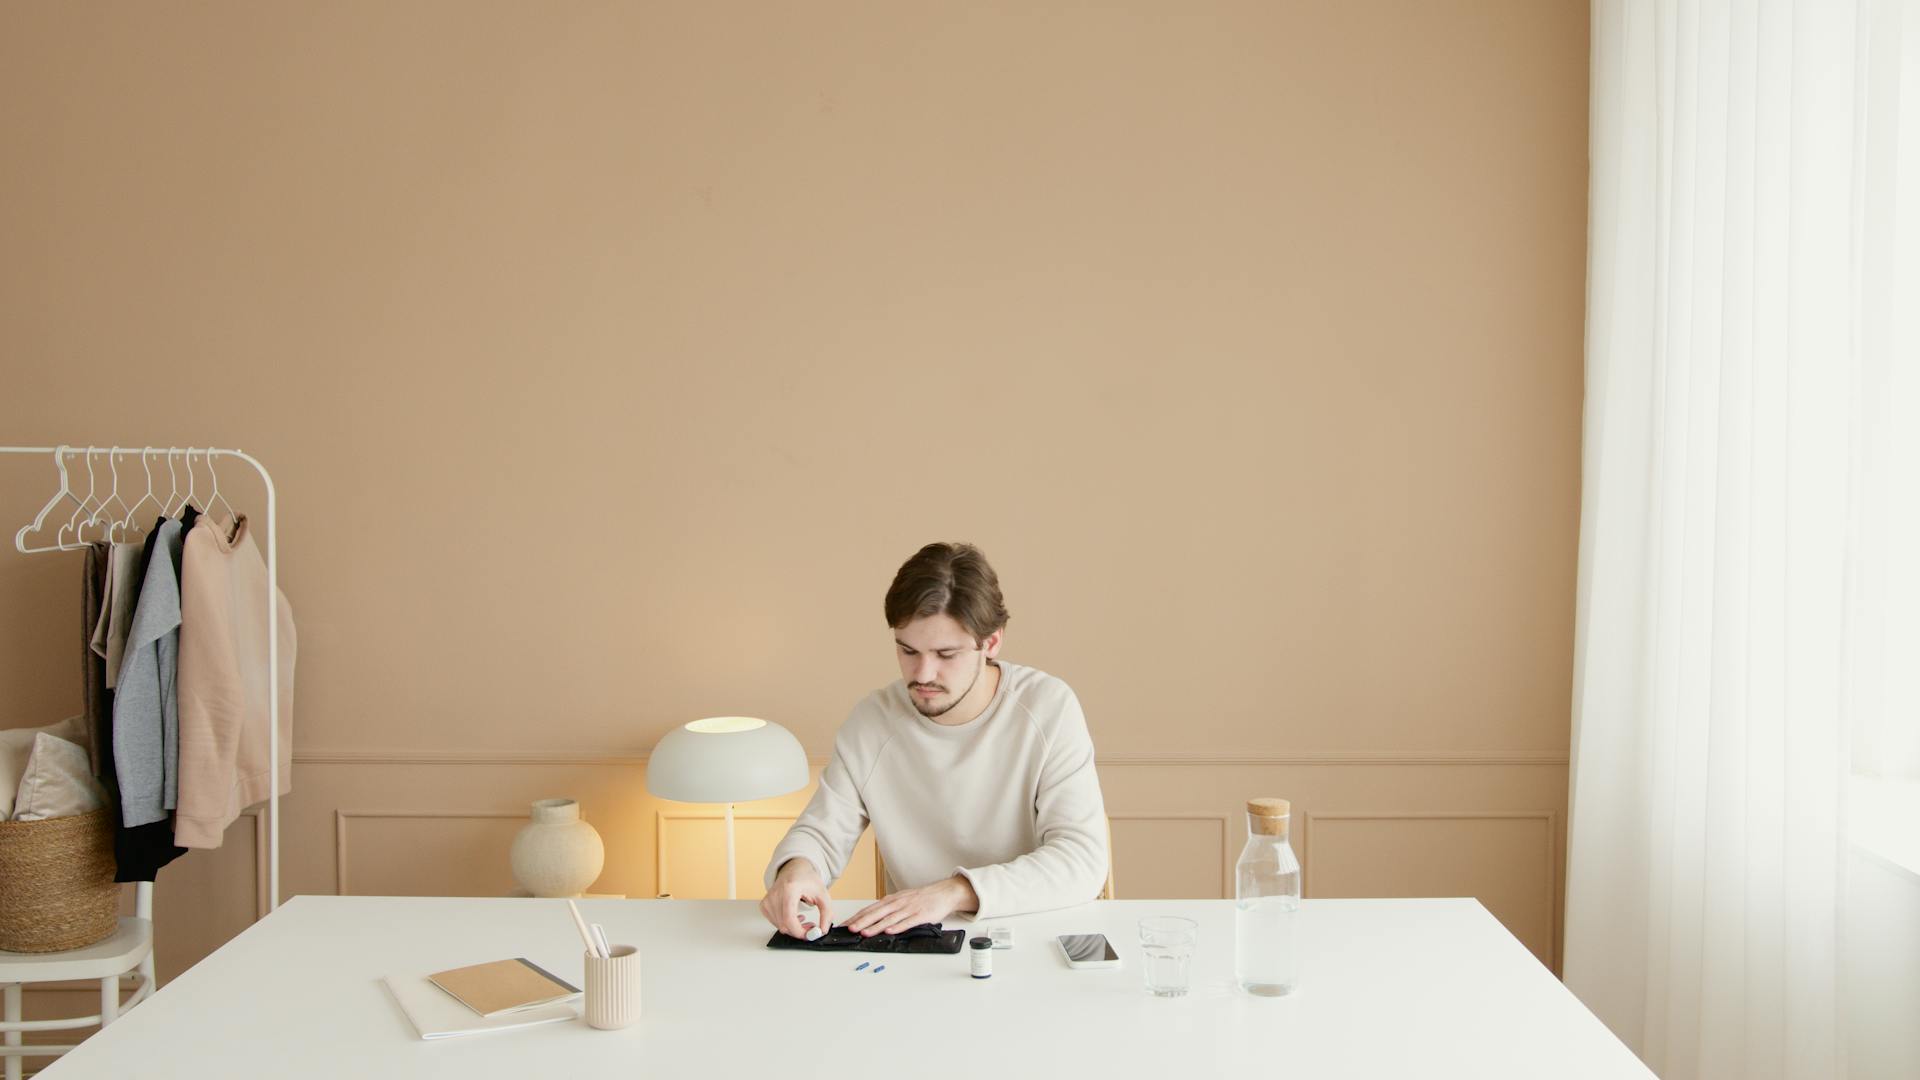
(980, 956)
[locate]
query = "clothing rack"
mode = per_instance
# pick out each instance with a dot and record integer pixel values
(60, 455)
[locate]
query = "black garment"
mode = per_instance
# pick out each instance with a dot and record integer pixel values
(925, 938)
(140, 852)
(97, 700)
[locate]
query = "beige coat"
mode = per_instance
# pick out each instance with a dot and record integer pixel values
(223, 682)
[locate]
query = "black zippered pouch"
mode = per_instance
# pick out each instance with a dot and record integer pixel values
(925, 938)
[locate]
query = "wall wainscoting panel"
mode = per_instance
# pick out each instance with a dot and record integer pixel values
(1350, 757)
(689, 856)
(262, 860)
(1508, 860)
(1175, 856)
(440, 859)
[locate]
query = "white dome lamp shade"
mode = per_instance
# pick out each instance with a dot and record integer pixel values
(726, 759)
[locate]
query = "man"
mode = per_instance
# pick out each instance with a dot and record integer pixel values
(976, 774)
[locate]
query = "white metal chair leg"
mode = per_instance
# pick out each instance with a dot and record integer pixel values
(109, 1000)
(143, 908)
(15, 1064)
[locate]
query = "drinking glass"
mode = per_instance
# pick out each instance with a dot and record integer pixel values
(1167, 943)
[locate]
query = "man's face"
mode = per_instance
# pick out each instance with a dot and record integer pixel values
(940, 661)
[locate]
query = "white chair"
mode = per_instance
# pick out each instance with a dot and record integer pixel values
(127, 951)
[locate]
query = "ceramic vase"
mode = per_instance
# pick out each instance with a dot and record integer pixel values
(557, 853)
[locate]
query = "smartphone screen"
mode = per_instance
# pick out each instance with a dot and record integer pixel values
(1084, 947)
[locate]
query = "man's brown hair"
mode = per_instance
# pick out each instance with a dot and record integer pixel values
(948, 579)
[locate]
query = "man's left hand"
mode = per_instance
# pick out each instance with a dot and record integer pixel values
(911, 907)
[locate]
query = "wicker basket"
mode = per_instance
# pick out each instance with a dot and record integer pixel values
(56, 883)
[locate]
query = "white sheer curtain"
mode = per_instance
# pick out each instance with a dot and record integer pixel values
(1748, 553)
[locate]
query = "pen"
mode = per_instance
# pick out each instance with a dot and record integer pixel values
(600, 939)
(581, 925)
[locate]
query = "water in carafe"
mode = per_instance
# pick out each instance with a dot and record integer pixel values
(1266, 903)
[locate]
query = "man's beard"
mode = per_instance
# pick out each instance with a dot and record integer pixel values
(936, 714)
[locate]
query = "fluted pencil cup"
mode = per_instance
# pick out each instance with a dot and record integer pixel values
(613, 988)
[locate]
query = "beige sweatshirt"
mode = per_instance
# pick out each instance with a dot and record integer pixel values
(1008, 799)
(222, 684)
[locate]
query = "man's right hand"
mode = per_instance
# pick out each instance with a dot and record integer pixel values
(796, 881)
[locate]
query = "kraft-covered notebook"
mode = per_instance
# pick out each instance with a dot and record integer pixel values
(503, 986)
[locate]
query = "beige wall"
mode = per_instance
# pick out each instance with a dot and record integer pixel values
(609, 357)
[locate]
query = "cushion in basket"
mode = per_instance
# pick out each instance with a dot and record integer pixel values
(58, 782)
(16, 746)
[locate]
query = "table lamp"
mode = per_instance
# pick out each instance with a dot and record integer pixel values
(727, 759)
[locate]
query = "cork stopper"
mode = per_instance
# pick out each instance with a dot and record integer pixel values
(1268, 817)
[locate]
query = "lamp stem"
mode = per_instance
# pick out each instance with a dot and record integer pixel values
(732, 890)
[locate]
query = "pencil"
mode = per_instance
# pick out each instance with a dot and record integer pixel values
(581, 925)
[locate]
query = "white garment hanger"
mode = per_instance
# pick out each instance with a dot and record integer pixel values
(86, 506)
(187, 499)
(103, 515)
(173, 482)
(146, 466)
(233, 518)
(92, 517)
(65, 492)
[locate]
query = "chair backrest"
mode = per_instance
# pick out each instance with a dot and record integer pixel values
(1106, 891)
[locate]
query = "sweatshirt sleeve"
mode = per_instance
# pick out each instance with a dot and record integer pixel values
(1070, 819)
(827, 830)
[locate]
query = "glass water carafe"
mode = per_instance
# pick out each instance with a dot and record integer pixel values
(1266, 903)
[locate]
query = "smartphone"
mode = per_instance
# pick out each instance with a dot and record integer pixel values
(1088, 951)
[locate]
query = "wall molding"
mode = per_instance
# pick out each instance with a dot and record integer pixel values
(1348, 757)
(342, 816)
(463, 757)
(660, 819)
(1552, 758)
(1551, 868)
(1227, 859)
(262, 860)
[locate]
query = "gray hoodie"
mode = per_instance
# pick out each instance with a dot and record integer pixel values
(146, 716)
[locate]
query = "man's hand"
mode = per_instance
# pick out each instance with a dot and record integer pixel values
(796, 881)
(910, 908)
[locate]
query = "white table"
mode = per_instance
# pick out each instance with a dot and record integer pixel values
(1389, 988)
